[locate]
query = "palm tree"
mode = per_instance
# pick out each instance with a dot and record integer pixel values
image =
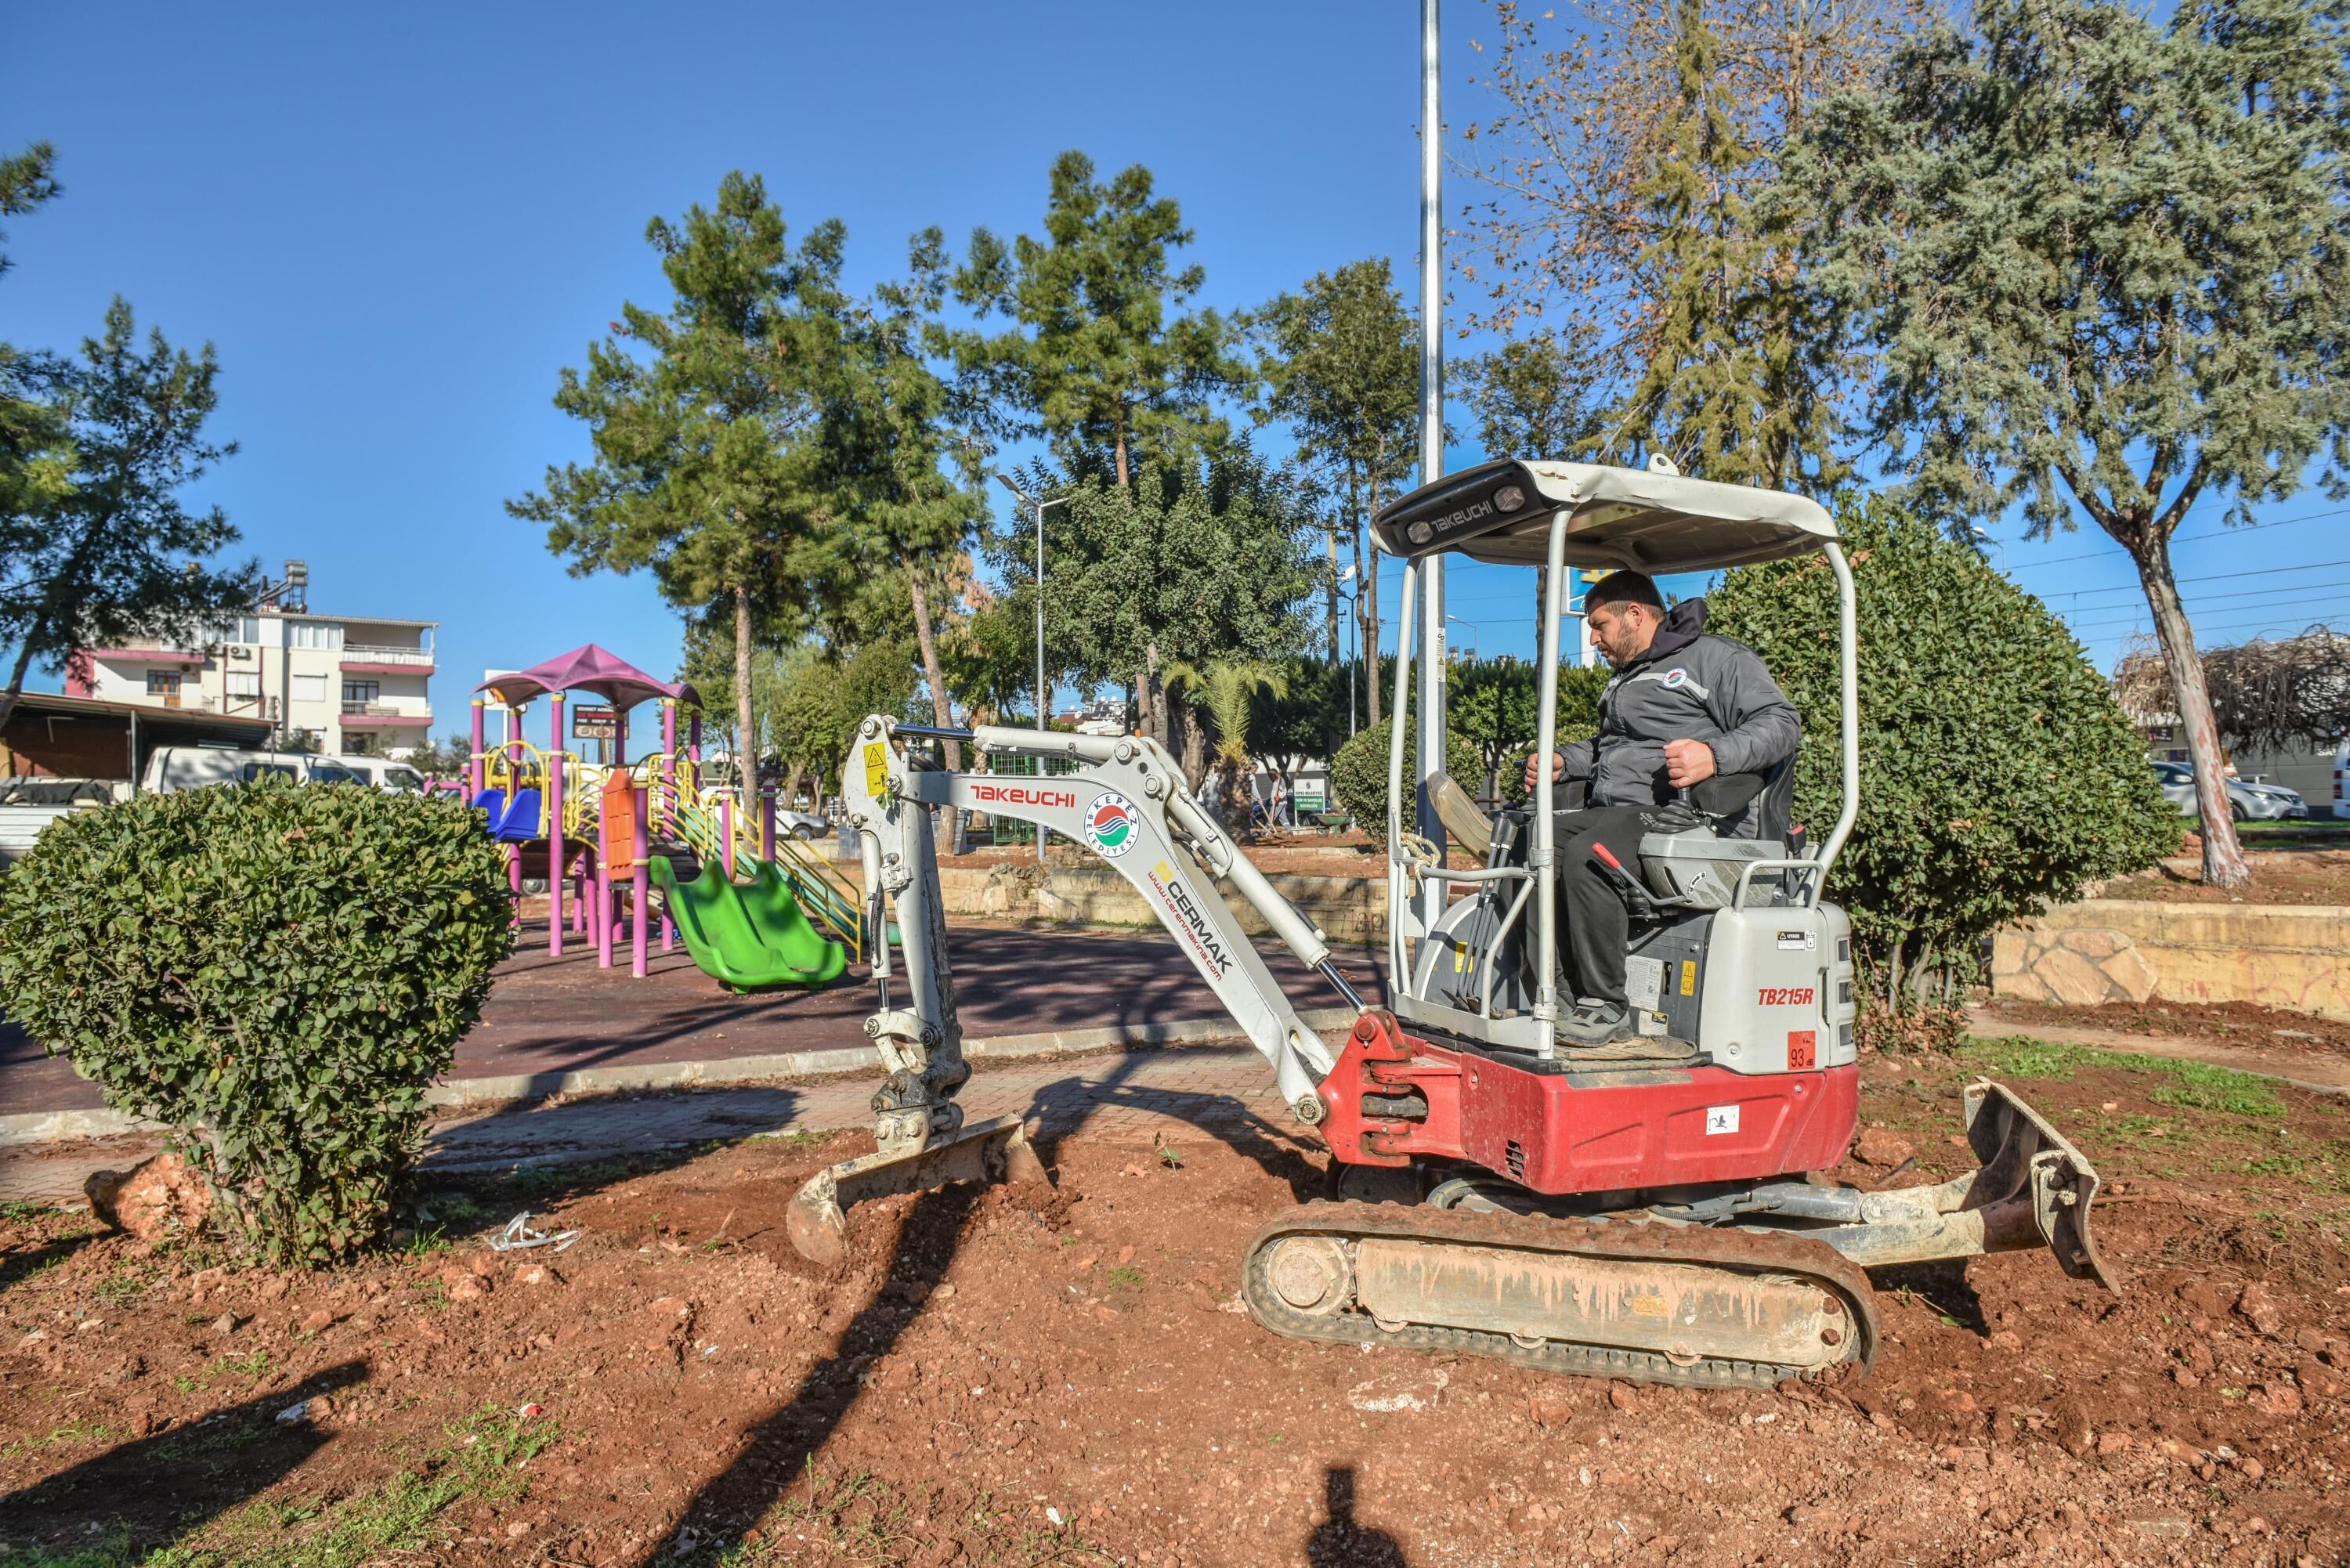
(1226, 689)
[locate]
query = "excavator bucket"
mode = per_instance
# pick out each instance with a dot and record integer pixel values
(994, 1150)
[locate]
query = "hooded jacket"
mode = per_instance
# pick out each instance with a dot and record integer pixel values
(1691, 685)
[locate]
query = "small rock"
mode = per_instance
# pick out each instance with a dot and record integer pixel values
(318, 1321)
(270, 1287)
(944, 1292)
(1550, 1410)
(2206, 1296)
(517, 1529)
(2260, 1309)
(1620, 1396)
(1878, 1147)
(2183, 1377)
(2073, 1433)
(2005, 1339)
(2310, 1339)
(226, 1323)
(2111, 1443)
(295, 1415)
(464, 1285)
(1125, 1255)
(2251, 1469)
(536, 1274)
(2200, 1358)
(2277, 1398)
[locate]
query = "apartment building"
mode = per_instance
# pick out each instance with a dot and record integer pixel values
(351, 683)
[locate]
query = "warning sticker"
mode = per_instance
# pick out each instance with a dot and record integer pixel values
(1689, 976)
(1643, 983)
(1721, 1119)
(1802, 1049)
(1653, 1025)
(1798, 942)
(876, 768)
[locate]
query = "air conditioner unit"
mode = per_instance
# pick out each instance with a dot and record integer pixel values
(240, 651)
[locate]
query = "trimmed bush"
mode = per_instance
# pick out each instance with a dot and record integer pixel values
(1358, 773)
(277, 972)
(1997, 773)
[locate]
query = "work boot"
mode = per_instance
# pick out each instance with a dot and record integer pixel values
(1594, 1021)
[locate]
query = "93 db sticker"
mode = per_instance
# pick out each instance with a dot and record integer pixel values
(1721, 1119)
(1110, 823)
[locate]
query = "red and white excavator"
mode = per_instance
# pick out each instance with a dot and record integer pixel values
(1644, 1209)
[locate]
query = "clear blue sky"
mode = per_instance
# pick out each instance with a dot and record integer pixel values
(398, 223)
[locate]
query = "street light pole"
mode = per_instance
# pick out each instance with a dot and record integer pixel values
(1430, 762)
(1044, 698)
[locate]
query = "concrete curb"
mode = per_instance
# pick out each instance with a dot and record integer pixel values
(473, 1094)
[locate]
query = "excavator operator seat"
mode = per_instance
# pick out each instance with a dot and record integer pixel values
(1699, 866)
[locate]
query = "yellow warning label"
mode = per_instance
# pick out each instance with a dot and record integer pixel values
(1460, 957)
(1689, 976)
(877, 767)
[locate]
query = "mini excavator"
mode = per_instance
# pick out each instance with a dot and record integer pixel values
(1646, 1209)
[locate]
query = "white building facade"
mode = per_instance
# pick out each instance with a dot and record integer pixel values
(351, 683)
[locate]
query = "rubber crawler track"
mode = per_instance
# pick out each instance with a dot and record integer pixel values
(1746, 1251)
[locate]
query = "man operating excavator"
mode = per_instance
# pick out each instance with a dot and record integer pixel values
(1684, 706)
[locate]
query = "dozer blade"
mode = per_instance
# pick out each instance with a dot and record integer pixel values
(1652, 1303)
(996, 1150)
(2025, 1157)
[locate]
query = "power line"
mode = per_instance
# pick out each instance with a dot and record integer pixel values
(2206, 577)
(2188, 539)
(2106, 617)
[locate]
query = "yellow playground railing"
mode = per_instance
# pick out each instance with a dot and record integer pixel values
(695, 817)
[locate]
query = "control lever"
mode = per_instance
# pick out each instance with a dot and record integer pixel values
(1636, 898)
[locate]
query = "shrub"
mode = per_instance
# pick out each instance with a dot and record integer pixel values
(1997, 773)
(1358, 773)
(276, 971)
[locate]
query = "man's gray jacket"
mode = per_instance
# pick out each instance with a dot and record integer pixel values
(1691, 685)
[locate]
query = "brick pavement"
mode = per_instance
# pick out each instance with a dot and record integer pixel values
(1225, 1089)
(547, 1016)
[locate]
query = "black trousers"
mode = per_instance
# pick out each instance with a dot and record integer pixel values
(1597, 929)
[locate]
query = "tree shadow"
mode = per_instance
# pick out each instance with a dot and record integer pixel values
(19, 1265)
(779, 1448)
(180, 1478)
(1340, 1540)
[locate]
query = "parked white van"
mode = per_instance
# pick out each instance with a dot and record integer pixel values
(174, 768)
(388, 776)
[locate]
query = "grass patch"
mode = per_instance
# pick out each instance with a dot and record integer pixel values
(480, 1462)
(251, 1366)
(2192, 1085)
(72, 1432)
(859, 1517)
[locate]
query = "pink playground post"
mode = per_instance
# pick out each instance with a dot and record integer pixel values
(555, 824)
(473, 768)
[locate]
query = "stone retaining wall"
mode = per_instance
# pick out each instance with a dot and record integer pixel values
(1351, 910)
(2116, 950)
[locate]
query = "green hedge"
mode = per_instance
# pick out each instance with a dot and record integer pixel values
(277, 972)
(1998, 775)
(1358, 773)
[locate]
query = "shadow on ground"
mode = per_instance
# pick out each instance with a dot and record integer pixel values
(184, 1465)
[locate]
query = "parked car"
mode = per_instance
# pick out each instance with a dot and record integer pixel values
(388, 776)
(2246, 802)
(174, 768)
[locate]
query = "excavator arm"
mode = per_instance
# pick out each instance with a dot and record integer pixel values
(1126, 803)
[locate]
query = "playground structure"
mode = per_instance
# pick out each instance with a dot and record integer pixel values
(798, 921)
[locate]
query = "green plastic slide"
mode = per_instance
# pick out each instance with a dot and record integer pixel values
(748, 936)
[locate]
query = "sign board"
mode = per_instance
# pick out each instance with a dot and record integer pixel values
(595, 724)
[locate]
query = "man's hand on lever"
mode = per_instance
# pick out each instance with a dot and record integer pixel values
(1557, 769)
(1687, 762)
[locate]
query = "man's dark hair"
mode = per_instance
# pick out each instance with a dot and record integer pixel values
(1624, 588)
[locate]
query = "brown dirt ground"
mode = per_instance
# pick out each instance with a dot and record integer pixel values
(2279, 877)
(2276, 1033)
(1033, 1375)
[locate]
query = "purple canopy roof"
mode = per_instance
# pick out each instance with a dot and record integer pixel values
(590, 668)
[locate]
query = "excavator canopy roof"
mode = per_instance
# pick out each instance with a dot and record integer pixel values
(1650, 520)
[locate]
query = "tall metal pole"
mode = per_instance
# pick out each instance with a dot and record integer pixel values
(1043, 699)
(1432, 438)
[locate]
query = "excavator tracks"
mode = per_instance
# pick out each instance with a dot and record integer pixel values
(1650, 1302)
